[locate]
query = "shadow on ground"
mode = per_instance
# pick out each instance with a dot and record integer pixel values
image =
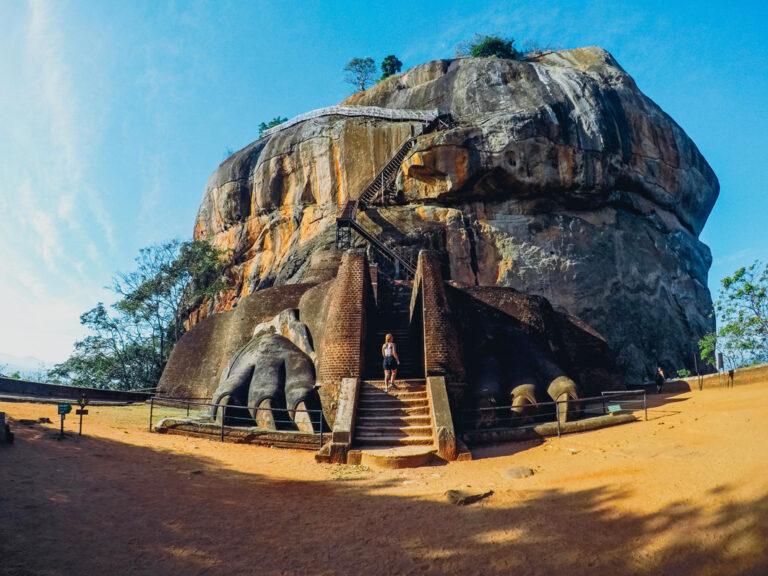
(151, 511)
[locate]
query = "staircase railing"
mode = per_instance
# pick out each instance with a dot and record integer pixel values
(386, 177)
(346, 221)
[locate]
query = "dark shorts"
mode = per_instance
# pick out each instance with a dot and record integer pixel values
(390, 363)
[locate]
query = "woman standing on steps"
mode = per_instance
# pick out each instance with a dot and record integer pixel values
(391, 361)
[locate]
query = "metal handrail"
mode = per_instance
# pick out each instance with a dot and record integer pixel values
(593, 400)
(383, 249)
(369, 111)
(189, 403)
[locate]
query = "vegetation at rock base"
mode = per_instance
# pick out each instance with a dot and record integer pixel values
(742, 318)
(360, 72)
(390, 66)
(276, 121)
(486, 46)
(130, 341)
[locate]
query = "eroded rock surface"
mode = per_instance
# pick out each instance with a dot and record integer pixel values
(557, 178)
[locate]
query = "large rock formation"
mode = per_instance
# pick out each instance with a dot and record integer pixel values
(557, 177)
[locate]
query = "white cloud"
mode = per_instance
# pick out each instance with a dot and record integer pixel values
(68, 125)
(54, 216)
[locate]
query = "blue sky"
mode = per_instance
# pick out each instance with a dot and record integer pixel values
(113, 115)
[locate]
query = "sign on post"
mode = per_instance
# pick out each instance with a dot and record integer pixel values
(64, 409)
(83, 402)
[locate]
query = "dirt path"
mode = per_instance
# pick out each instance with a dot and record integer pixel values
(684, 493)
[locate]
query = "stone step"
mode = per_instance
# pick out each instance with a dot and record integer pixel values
(362, 431)
(421, 420)
(392, 402)
(406, 383)
(402, 385)
(376, 394)
(393, 440)
(393, 458)
(392, 412)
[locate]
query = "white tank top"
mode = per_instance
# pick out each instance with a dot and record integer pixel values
(389, 349)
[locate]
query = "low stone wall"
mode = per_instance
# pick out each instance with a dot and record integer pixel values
(13, 387)
(344, 427)
(741, 377)
(442, 422)
(239, 435)
(492, 436)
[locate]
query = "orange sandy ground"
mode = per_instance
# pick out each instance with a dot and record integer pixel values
(684, 493)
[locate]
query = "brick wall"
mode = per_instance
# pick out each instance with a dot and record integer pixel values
(442, 353)
(342, 353)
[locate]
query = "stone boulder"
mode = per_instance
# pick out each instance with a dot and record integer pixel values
(557, 177)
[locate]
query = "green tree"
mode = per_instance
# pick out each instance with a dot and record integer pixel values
(390, 66)
(360, 72)
(129, 343)
(15, 375)
(276, 121)
(742, 318)
(486, 46)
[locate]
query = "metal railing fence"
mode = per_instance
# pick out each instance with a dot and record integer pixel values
(234, 416)
(499, 418)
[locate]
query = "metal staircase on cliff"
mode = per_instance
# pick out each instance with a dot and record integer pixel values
(382, 186)
(346, 223)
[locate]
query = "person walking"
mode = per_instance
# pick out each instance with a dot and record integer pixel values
(391, 361)
(659, 379)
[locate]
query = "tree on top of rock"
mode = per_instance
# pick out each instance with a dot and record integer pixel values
(276, 121)
(360, 72)
(487, 46)
(390, 66)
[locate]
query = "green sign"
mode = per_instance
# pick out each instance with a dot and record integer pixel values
(614, 408)
(65, 408)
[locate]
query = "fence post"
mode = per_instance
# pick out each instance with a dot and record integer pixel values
(223, 415)
(557, 417)
(151, 410)
(320, 413)
(645, 407)
(187, 408)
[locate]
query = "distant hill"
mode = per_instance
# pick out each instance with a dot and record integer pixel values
(28, 367)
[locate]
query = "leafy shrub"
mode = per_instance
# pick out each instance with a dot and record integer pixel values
(489, 46)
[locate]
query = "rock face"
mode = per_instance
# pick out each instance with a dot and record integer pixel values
(557, 177)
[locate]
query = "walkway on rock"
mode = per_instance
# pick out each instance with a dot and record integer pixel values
(394, 114)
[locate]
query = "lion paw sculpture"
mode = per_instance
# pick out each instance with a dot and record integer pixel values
(271, 380)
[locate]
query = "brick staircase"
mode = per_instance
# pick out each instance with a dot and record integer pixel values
(400, 417)
(393, 429)
(393, 317)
